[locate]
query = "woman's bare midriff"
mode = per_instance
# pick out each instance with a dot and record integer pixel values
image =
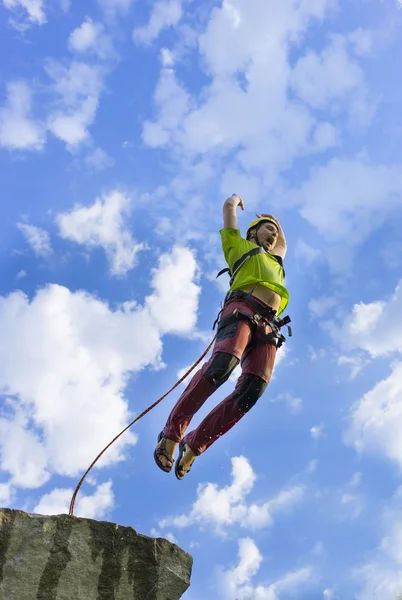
(264, 294)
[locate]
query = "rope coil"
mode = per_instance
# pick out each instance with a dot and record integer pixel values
(147, 410)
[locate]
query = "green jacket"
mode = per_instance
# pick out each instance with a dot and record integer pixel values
(263, 269)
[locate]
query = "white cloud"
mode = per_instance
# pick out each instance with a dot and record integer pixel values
(352, 505)
(6, 493)
(352, 188)
(317, 431)
(103, 225)
(381, 576)
(350, 501)
(21, 453)
(355, 363)
(176, 292)
(21, 274)
(322, 81)
(18, 131)
(245, 50)
(356, 479)
(295, 404)
(91, 38)
(84, 37)
(167, 57)
(318, 307)
(362, 41)
(250, 560)
(165, 13)
(315, 354)
(247, 54)
(77, 88)
(307, 253)
(325, 136)
(364, 327)
(65, 5)
(172, 102)
(65, 359)
(94, 506)
(391, 254)
(98, 159)
(114, 7)
(281, 354)
(34, 9)
(328, 594)
(37, 238)
(312, 466)
(376, 419)
(227, 506)
(237, 581)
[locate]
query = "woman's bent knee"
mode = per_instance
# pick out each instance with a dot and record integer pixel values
(250, 389)
(221, 367)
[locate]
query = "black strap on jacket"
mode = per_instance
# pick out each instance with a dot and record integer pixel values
(244, 258)
(240, 262)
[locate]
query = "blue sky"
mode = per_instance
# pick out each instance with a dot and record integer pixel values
(123, 128)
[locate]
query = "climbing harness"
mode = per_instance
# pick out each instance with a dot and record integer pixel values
(268, 314)
(147, 410)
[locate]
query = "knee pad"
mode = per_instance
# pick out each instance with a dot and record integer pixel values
(249, 391)
(221, 368)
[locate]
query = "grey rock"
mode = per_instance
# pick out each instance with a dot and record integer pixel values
(70, 558)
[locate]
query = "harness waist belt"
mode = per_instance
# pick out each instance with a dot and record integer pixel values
(266, 312)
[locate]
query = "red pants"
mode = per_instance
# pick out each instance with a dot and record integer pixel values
(256, 360)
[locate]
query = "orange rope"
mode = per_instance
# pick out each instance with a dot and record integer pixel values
(71, 512)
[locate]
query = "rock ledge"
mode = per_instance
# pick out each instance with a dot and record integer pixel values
(70, 558)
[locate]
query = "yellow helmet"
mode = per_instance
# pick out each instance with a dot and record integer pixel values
(261, 219)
